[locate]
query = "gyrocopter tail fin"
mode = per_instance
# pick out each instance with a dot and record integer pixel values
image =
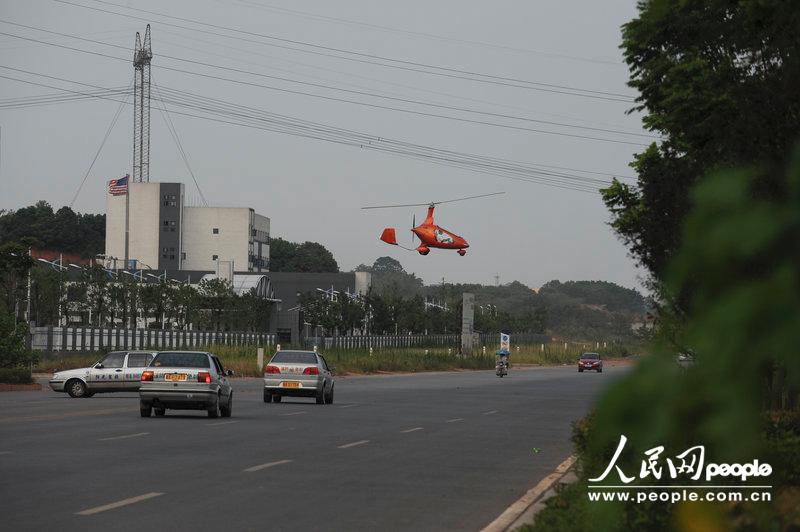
(389, 236)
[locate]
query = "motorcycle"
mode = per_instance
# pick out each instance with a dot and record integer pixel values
(501, 367)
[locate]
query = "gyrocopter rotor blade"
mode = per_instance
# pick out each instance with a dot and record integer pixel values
(432, 202)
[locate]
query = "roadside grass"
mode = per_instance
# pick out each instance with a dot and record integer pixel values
(243, 359)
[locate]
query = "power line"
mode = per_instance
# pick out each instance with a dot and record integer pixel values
(174, 132)
(205, 51)
(316, 16)
(332, 98)
(370, 58)
(348, 91)
(99, 149)
(243, 116)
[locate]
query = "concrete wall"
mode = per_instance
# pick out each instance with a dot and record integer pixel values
(143, 223)
(229, 243)
(115, 227)
(260, 225)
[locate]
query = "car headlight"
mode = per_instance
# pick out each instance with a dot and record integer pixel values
(56, 376)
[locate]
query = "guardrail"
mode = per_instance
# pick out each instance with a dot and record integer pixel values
(61, 339)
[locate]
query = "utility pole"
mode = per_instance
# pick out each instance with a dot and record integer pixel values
(28, 303)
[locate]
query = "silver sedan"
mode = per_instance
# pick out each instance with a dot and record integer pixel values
(298, 374)
(186, 380)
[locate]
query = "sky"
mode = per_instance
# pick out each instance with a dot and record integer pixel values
(536, 62)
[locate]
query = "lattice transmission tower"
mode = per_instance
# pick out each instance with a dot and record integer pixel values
(142, 55)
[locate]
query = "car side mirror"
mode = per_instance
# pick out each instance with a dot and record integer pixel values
(99, 366)
(229, 373)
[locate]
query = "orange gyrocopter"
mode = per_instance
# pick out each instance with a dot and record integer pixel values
(429, 234)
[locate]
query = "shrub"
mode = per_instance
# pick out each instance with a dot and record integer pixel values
(15, 376)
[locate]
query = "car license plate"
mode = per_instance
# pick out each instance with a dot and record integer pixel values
(175, 376)
(290, 384)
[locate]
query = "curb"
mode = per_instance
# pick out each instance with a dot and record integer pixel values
(508, 519)
(20, 387)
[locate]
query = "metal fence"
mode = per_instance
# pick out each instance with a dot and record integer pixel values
(415, 340)
(83, 339)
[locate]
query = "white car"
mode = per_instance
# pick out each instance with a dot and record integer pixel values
(118, 371)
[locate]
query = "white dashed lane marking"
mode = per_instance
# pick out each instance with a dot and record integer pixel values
(125, 437)
(490, 412)
(220, 423)
(348, 445)
(410, 430)
(454, 420)
(119, 504)
(265, 466)
(294, 413)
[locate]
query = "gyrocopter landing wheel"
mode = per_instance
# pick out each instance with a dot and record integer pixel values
(462, 252)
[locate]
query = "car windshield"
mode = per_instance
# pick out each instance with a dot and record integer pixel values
(181, 360)
(295, 357)
(590, 356)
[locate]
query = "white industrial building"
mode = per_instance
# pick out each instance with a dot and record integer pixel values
(151, 225)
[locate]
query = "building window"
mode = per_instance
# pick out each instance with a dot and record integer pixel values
(173, 222)
(166, 222)
(172, 257)
(164, 250)
(183, 256)
(215, 230)
(163, 256)
(214, 257)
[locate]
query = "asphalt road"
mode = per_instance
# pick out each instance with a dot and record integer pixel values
(444, 451)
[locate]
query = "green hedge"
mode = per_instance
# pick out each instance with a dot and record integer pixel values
(15, 376)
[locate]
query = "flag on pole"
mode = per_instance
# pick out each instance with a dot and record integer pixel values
(118, 187)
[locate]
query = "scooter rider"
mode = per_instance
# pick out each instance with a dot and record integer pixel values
(501, 357)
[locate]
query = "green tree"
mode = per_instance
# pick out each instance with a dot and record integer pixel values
(309, 257)
(387, 264)
(718, 82)
(64, 230)
(216, 297)
(14, 352)
(14, 266)
(47, 291)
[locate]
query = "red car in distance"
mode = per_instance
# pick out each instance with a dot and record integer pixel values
(590, 361)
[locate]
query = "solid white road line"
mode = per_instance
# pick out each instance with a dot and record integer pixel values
(410, 430)
(347, 406)
(125, 436)
(118, 504)
(348, 445)
(264, 466)
(454, 420)
(490, 412)
(294, 413)
(220, 423)
(512, 513)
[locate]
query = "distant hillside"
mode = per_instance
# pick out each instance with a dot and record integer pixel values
(578, 310)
